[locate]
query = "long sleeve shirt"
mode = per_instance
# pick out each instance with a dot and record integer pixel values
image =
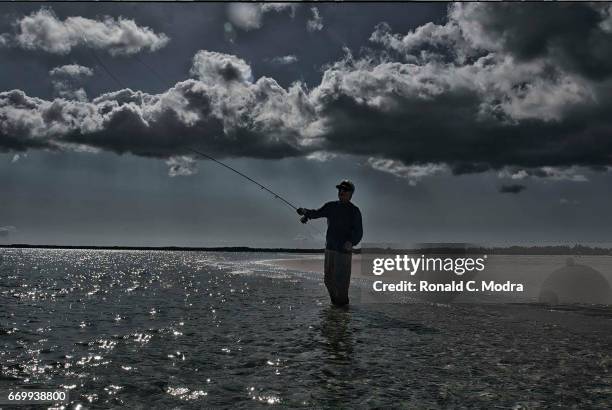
(343, 223)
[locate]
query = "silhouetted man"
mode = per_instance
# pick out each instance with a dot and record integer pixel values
(344, 231)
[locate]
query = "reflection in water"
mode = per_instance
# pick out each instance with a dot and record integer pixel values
(338, 335)
(337, 368)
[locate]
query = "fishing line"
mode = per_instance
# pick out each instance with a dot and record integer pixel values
(105, 68)
(100, 63)
(153, 71)
(278, 196)
(265, 188)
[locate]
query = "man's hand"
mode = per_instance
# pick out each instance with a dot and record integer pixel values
(304, 219)
(348, 246)
(301, 211)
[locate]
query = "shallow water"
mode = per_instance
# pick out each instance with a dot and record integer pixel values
(142, 329)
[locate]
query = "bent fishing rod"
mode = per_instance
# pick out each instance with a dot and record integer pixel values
(265, 188)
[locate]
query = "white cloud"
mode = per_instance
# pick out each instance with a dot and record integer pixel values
(284, 60)
(181, 165)
(17, 157)
(606, 24)
(223, 111)
(459, 55)
(321, 156)
(249, 16)
(246, 16)
(316, 22)
(5, 40)
(517, 174)
(278, 7)
(68, 79)
(459, 94)
(71, 70)
(43, 30)
(413, 173)
(573, 174)
(563, 174)
(212, 68)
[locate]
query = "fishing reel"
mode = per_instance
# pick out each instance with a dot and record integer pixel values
(304, 219)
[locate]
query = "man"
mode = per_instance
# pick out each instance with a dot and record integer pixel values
(344, 231)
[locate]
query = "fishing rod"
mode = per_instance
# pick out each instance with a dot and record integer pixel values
(265, 188)
(276, 195)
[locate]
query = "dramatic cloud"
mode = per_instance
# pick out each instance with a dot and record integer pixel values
(249, 16)
(68, 79)
(42, 30)
(470, 95)
(512, 189)
(462, 94)
(316, 22)
(221, 111)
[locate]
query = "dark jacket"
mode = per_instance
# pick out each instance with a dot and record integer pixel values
(343, 224)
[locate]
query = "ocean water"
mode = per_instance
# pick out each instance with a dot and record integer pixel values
(151, 329)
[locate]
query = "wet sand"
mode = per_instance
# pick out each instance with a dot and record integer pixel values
(309, 263)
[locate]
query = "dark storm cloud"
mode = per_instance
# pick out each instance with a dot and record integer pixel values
(575, 36)
(474, 94)
(463, 94)
(222, 111)
(512, 189)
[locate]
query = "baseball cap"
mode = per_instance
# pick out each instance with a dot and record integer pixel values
(347, 185)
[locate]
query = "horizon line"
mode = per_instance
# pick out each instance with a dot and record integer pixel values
(511, 249)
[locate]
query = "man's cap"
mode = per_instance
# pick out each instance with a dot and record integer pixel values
(346, 184)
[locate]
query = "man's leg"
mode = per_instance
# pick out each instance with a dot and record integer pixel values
(329, 266)
(342, 273)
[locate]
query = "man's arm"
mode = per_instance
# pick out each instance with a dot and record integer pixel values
(357, 229)
(322, 212)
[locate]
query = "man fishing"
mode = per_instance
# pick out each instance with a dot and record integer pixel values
(344, 230)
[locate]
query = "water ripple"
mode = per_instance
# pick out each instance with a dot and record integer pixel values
(193, 330)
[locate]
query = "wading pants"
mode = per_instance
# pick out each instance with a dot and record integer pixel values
(337, 276)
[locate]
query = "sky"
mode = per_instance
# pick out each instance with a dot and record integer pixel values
(475, 122)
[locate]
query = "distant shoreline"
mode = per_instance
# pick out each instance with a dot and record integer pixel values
(511, 250)
(167, 248)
